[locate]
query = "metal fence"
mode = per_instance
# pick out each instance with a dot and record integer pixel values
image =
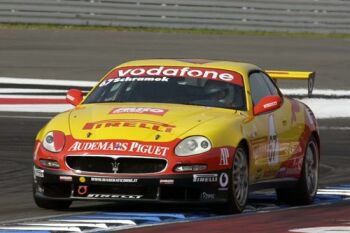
(325, 16)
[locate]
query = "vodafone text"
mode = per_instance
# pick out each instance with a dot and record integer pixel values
(148, 73)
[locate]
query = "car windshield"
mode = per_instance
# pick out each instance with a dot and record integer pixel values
(165, 89)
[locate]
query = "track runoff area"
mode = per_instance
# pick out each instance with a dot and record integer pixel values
(33, 96)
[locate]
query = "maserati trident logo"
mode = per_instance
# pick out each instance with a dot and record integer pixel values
(115, 167)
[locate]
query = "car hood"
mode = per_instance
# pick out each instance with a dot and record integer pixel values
(138, 121)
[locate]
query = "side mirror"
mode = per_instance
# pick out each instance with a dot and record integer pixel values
(74, 96)
(267, 104)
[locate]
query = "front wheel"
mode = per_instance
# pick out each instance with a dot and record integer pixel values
(305, 192)
(238, 189)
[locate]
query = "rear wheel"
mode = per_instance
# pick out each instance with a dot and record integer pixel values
(50, 204)
(238, 189)
(305, 192)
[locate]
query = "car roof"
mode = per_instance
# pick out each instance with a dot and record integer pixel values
(240, 67)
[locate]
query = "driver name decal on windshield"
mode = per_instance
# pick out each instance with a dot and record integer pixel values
(162, 74)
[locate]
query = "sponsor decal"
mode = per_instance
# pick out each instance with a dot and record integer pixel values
(269, 105)
(132, 147)
(65, 178)
(120, 196)
(82, 190)
(130, 123)
(99, 146)
(295, 148)
(326, 229)
(224, 155)
(223, 180)
(166, 181)
(207, 196)
(205, 178)
(129, 79)
(113, 180)
(151, 111)
(162, 74)
(273, 144)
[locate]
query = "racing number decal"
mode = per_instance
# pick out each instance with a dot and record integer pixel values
(273, 145)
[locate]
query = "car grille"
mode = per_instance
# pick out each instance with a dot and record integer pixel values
(105, 164)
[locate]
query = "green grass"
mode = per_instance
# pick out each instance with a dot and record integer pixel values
(169, 30)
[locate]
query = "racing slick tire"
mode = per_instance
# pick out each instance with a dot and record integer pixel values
(238, 188)
(306, 189)
(50, 204)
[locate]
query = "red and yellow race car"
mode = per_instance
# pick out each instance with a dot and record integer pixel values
(187, 131)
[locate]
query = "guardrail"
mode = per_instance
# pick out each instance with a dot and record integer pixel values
(324, 16)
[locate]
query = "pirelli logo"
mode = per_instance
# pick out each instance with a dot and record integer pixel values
(205, 178)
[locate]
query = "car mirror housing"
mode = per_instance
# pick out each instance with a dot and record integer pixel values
(267, 104)
(74, 97)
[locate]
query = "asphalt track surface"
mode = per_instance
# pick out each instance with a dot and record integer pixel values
(86, 55)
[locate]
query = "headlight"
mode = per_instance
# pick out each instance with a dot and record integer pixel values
(54, 141)
(192, 146)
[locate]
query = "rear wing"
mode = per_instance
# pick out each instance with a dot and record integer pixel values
(297, 75)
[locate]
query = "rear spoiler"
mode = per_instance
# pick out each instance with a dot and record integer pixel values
(297, 75)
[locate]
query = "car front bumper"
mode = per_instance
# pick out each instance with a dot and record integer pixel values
(187, 188)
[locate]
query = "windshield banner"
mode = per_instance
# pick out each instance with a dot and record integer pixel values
(163, 73)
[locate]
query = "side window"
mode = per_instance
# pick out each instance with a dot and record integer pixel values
(272, 86)
(258, 87)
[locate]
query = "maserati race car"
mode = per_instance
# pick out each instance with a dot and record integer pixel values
(184, 131)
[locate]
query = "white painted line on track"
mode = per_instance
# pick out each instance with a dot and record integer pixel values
(26, 90)
(33, 96)
(42, 228)
(47, 108)
(328, 108)
(26, 117)
(115, 221)
(332, 229)
(341, 192)
(337, 128)
(324, 92)
(46, 82)
(77, 224)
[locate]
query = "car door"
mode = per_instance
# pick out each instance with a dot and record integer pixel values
(269, 145)
(289, 125)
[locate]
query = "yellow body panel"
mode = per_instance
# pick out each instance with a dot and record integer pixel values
(281, 74)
